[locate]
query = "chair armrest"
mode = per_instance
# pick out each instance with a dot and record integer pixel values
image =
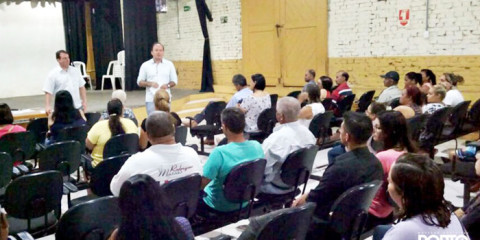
(474, 144)
(70, 187)
(24, 236)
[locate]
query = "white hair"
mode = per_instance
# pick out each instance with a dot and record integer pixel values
(289, 107)
(120, 95)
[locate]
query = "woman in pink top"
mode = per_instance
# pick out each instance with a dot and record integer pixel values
(389, 127)
(6, 121)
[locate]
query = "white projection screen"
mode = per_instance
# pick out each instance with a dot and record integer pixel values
(30, 34)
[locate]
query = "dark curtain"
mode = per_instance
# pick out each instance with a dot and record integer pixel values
(74, 25)
(106, 34)
(140, 23)
(207, 72)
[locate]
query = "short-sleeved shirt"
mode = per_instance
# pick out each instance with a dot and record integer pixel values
(389, 94)
(219, 164)
(127, 113)
(240, 95)
(10, 128)
(162, 73)
(100, 133)
(254, 106)
(70, 80)
(316, 109)
(453, 98)
(432, 107)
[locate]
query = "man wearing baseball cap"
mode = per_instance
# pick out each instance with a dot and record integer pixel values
(390, 80)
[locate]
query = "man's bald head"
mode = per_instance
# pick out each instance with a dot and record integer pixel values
(159, 124)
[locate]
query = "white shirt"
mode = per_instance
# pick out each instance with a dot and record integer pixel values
(70, 80)
(316, 109)
(162, 73)
(453, 98)
(239, 95)
(284, 140)
(389, 94)
(161, 161)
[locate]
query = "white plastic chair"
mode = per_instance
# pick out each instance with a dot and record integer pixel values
(114, 70)
(121, 57)
(83, 70)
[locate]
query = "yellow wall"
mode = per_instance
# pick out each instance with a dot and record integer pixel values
(364, 72)
(190, 72)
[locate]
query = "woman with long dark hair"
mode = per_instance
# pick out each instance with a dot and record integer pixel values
(390, 128)
(428, 80)
(254, 104)
(416, 185)
(103, 130)
(144, 215)
(64, 115)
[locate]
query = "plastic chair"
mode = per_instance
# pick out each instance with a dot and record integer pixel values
(121, 144)
(433, 129)
(121, 57)
(114, 70)
(292, 223)
(365, 101)
(21, 147)
(31, 201)
(294, 94)
(83, 71)
(181, 135)
(183, 203)
(213, 126)
(349, 213)
(395, 103)
(328, 104)
(95, 219)
(320, 127)
(6, 165)
(343, 106)
(92, 118)
(273, 100)
(39, 128)
(416, 125)
(472, 122)
(78, 133)
(266, 122)
(457, 117)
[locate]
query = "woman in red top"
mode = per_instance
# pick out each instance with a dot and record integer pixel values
(6, 121)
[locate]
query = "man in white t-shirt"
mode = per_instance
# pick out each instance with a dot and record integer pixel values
(156, 73)
(164, 161)
(65, 77)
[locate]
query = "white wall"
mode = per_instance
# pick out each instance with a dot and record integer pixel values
(29, 38)
(369, 28)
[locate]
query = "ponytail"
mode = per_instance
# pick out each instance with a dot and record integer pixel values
(115, 109)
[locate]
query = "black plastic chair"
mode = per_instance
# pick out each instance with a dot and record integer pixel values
(213, 126)
(6, 165)
(343, 106)
(433, 129)
(294, 94)
(95, 219)
(290, 224)
(39, 128)
(78, 133)
(365, 100)
(328, 104)
(457, 117)
(181, 135)
(121, 144)
(101, 177)
(92, 118)
(416, 125)
(320, 127)
(33, 203)
(472, 122)
(273, 100)
(266, 122)
(395, 103)
(21, 147)
(349, 212)
(183, 203)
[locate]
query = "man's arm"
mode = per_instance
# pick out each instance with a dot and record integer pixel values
(144, 83)
(83, 96)
(48, 100)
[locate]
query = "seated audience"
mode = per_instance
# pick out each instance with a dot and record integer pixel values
(161, 101)
(390, 128)
(413, 79)
(428, 80)
(286, 138)
(6, 121)
(127, 112)
(412, 97)
(309, 78)
(356, 166)
(223, 159)
(164, 161)
(144, 215)
(342, 89)
(254, 104)
(325, 84)
(64, 115)
(453, 96)
(390, 80)
(435, 97)
(314, 105)
(416, 185)
(103, 130)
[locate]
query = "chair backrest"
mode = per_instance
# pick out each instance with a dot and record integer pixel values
(121, 144)
(104, 172)
(395, 103)
(6, 165)
(292, 223)
(365, 100)
(349, 212)
(118, 70)
(474, 113)
(110, 67)
(34, 195)
(76, 133)
(294, 94)
(80, 66)
(273, 100)
(244, 180)
(61, 156)
(416, 125)
(181, 135)
(327, 104)
(266, 120)
(94, 219)
(39, 128)
(459, 114)
(121, 57)
(320, 124)
(298, 165)
(183, 203)
(92, 118)
(213, 111)
(436, 122)
(346, 103)
(20, 145)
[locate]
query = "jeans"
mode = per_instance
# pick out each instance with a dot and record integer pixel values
(150, 107)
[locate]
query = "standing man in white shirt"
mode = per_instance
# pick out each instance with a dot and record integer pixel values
(156, 73)
(65, 77)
